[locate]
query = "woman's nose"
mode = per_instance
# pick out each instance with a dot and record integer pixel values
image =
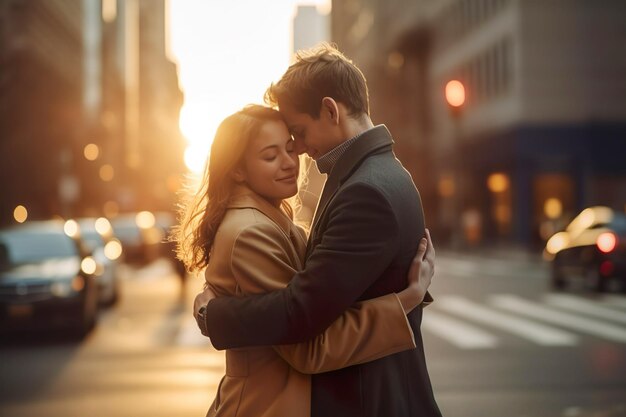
(290, 161)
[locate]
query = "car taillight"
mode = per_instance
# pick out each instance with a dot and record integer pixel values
(606, 242)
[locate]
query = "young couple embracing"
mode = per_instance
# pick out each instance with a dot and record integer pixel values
(326, 322)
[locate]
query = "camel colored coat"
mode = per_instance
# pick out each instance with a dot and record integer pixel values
(258, 249)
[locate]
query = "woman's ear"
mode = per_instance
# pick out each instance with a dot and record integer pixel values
(238, 175)
(330, 109)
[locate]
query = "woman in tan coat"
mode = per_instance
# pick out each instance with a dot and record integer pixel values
(240, 228)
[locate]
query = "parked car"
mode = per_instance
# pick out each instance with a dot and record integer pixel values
(140, 238)
(592, 248)
(106, 249)
(46, 279)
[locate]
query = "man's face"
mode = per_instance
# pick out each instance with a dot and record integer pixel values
(316, 137)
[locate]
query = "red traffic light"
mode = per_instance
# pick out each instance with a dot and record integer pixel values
(455, 93)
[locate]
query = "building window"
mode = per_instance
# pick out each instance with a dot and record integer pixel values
(499, 186)
(464, 15)
(488, 74)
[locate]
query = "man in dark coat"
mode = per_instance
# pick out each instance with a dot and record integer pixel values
(363, 238)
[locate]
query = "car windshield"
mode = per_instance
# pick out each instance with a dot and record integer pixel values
(92, 240)
(127, 230)
(22, 247)
(619, 223)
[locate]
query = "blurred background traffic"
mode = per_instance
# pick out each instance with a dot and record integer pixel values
(92, 93)
(509, 114)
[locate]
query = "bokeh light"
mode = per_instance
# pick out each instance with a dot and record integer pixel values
(71, 228)
(111, 209)
(145, 219)
(103, 226)
(88, 265)
(455, 93)
(553, 208)
(20, 214)
(113, 249)
(107, 172)
(91, 152)
(498, 182)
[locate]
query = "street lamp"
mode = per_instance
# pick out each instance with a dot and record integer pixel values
(455, 97)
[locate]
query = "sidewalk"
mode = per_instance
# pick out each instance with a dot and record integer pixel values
(495, 261)
(502, 252)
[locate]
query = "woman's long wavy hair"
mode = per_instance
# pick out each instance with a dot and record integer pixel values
(202, 210)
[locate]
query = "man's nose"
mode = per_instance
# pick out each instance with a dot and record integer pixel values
(299, 147)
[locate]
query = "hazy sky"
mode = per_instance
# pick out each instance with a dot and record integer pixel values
(228, 52)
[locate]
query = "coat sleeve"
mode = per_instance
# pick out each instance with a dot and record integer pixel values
(358, 244)
(367, 331)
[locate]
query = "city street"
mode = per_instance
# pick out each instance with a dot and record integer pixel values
(499, 343)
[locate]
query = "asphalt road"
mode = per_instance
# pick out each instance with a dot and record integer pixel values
(498, 343)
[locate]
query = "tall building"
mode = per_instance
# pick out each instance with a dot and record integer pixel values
(42, 89)
(161, 143)
(150, 144)
(71, 110)
(541, 133)
(310, 27)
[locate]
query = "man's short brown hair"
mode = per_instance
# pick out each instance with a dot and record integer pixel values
(321, 72)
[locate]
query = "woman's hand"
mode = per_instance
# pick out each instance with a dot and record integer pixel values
(420, 275)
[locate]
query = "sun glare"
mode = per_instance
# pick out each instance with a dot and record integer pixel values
(199, 128)
(227, 55)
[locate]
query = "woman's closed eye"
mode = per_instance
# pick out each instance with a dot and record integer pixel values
(269, 154)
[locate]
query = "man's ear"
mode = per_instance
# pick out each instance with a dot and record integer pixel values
(330, 109)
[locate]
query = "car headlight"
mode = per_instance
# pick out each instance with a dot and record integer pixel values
(61, 288)
(557, 242)
(66, 288)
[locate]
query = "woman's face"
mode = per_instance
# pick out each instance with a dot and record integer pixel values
(271, 165)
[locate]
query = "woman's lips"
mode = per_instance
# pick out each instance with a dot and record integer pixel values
(291, 178)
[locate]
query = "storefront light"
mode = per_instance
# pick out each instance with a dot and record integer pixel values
(20, 214)
(553, 208)
(91, 152)
(446, 186)
(498, 182)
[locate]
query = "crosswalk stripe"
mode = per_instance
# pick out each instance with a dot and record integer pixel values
(458, 333)
(615, 300)
(588, 307)
(536, 332)
(536, 310)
